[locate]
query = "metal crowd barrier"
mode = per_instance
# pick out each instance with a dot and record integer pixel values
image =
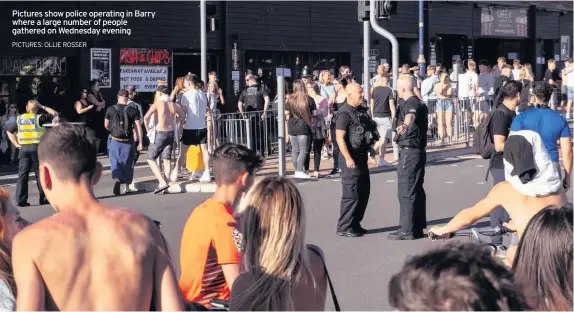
(261, 134)
(253, 129)
(464, 117)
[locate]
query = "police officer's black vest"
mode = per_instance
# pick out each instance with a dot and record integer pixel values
(363, 133)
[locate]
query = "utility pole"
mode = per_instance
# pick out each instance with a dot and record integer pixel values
(394, 57)
(281, 123)
(394, 43)
(366, 55)
(421, 60)
(203, 30)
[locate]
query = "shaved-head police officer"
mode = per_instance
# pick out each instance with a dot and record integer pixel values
(412, 140)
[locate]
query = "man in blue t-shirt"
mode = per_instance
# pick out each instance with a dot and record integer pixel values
(550, 125)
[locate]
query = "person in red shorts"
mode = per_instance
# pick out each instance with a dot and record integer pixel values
(210, 243)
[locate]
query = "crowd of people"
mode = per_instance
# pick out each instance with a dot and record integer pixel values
(246, 244)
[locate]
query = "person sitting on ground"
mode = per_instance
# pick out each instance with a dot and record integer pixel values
(455, 277)
(209, 253)
(532, 183)
(88, 256)
(10, 224)
(281, 272)
(543, 265)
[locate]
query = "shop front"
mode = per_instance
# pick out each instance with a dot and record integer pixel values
(504, 31)
(47, 79)
(266, 64)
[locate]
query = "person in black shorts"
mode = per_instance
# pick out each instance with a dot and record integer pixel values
(196, 110)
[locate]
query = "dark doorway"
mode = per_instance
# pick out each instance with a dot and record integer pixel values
(491, 49)
(408, 51)
(184, 63)
(450, 48)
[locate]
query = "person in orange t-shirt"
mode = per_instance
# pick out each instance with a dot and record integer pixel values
(210, 243)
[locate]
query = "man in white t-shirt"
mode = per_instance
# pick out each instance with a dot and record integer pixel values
(194, 104)
(472, 81)
(485, 88)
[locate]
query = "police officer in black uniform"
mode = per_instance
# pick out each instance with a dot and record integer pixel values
(356, 133)
(411, 138)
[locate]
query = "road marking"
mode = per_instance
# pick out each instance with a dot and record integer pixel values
(449, 182)
(454, 165)
(479, 166)
(481, 182)
(390, 181)
(15, 176)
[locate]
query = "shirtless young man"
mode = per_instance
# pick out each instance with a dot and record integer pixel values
(168, 116)
(88, 256)
(532, 184)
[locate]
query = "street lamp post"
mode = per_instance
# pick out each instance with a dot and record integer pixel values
(203, 30)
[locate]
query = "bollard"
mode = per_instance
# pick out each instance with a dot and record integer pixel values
(281, 123)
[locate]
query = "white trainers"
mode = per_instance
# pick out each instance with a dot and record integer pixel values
(301, 175)
(205, 177)
(195, 176)
(383, 163)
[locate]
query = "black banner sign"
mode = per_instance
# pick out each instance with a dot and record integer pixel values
(504, 22)
(32, 66)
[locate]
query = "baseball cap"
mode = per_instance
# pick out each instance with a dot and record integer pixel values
(162, 89)
(123, 93)
(131, 89)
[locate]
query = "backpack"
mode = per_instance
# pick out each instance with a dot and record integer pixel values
(483, 142)
(119, 124)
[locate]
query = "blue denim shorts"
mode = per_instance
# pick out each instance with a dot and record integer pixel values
(444, 106)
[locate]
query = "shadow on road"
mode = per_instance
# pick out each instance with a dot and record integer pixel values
(123, 195)
(429, 224)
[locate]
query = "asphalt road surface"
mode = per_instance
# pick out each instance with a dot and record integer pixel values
(360, 267)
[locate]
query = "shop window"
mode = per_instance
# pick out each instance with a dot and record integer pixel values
(42, 78)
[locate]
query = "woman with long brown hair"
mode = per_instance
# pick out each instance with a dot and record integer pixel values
(543, 263)
(214, 99)
(177, 90)
(10, 224)
(319, 126)
(444, 107)
(299, 107)
(281, 272)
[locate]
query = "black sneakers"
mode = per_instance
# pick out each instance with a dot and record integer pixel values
(116, 189)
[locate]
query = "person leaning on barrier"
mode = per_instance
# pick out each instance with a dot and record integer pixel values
(411, 138)
(25, 134)
(356, 133)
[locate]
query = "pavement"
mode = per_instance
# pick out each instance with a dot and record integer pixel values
(359, 267)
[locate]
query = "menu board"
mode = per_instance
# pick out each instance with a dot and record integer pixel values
(504, 22)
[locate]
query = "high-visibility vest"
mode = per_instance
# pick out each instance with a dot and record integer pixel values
(29, 130)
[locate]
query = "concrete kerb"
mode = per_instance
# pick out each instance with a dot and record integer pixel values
(149, 184)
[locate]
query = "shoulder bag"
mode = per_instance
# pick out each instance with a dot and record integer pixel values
(331, 288)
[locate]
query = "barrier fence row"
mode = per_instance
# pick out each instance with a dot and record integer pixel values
(451, 122)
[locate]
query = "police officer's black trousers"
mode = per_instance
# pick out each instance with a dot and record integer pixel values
(356, 191)
(28, 160)
(412, 196)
